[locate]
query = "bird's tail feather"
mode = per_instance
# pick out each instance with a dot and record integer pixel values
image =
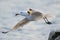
(50, 16)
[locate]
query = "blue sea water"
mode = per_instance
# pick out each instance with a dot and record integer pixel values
(33, 30)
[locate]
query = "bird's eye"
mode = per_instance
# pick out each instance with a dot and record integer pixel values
(28, 12)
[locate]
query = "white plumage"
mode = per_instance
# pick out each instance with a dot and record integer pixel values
(32, 15)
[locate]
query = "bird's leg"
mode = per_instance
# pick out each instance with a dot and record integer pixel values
(20, 24)
(46, 20)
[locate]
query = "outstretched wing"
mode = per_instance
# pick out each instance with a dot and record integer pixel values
(19, 24)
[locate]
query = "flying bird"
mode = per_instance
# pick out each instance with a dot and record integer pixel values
(31, 15)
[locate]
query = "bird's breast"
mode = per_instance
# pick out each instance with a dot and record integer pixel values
(35, 16)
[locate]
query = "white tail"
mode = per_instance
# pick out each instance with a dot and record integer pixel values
(49, 16)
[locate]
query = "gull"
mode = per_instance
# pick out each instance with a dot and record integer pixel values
(31, 15)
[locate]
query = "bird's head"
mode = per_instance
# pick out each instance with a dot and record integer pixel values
(30, 11)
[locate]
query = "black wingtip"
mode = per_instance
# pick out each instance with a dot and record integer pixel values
(48, 22)
(4, 32)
